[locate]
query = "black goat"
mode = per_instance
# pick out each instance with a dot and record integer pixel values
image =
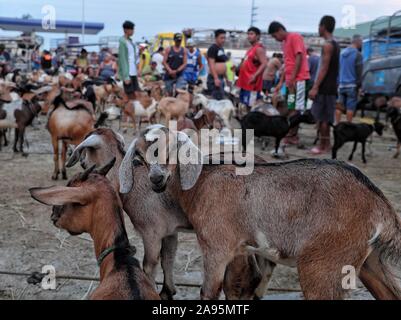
(394, 115)
(358, 133)
(277, 127)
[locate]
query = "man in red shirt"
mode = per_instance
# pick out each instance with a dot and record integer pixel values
(250, 79)
(296, 74)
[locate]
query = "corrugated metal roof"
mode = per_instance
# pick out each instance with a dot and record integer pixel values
(362, 29)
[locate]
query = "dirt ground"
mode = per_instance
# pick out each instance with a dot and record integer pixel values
(28, 239)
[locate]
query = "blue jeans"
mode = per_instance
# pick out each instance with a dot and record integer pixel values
(217, 93)
(348, 97)
(179, 82)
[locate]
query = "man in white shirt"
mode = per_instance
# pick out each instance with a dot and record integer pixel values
(158, 58)
(128, 60)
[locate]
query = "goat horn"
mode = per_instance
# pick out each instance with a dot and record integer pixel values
(94, 141)
(105, 170)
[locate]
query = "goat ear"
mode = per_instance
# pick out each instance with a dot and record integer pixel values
(106, 169)
(94, 141)
(190, 162)
(59, 196)
(199, 115)
(126, 175)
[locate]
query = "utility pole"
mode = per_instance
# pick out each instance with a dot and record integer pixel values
(254, 13)
(83, 21)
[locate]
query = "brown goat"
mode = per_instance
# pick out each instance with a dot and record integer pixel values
(89, 204)
(302, 214)
(69, 125)
(5, 97)
(20, 117)
(175, 108)
(154, 218)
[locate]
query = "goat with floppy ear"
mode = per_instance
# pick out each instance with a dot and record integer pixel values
(229, 214)
(90, 204)
(189, 169)
(153, 216)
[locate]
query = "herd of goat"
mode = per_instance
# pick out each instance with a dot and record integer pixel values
(284, 213)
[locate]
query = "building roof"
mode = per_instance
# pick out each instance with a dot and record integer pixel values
(35, 25)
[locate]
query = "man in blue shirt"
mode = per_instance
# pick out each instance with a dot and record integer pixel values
(351, 68)
(313, 61)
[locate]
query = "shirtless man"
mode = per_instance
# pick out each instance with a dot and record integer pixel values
(270, 75)
(217, 66)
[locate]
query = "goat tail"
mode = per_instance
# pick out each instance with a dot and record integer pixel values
(102, 119)
(386, 262)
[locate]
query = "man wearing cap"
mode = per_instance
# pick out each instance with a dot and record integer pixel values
(194, 63)
(175, 62)
(150, 72)
(128, 60)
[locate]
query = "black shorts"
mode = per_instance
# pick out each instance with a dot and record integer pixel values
(133, 86)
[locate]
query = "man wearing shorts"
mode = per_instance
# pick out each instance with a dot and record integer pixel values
(351, 68)
(324, 91)
(128, 59)
(296, 73)
(217, 58)
(250, 79)
(175, 62)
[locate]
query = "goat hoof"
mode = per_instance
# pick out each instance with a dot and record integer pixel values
(55, 177)
(65, 176)
(25, 155)
(167, 295)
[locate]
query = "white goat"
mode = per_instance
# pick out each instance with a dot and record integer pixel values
(224, 108)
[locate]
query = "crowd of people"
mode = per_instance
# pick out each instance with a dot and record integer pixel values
(328, 84)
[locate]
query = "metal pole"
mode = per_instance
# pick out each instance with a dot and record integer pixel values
(83, 21)
(253, 13)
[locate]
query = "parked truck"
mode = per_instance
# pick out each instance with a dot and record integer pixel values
(382, 58)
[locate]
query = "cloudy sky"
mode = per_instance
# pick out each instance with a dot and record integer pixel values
(153, 16)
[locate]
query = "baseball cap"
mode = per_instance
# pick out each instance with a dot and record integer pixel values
(178, 37)
(190, 43)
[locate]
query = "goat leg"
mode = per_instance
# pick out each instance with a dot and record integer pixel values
(398, 150)
(168, 253)
(5, 137)
(21, 141)
(351, 157)
(364, 152)
(266, 268)
(152, 248)
(278, 142)
(16, 136)
(64, 159)
(55, 158)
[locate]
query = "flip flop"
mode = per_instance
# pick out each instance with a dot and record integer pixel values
(317, 151)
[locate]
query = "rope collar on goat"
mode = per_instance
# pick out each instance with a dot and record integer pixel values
(112, 249)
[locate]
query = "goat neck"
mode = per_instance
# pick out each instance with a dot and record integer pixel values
(108, 231)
